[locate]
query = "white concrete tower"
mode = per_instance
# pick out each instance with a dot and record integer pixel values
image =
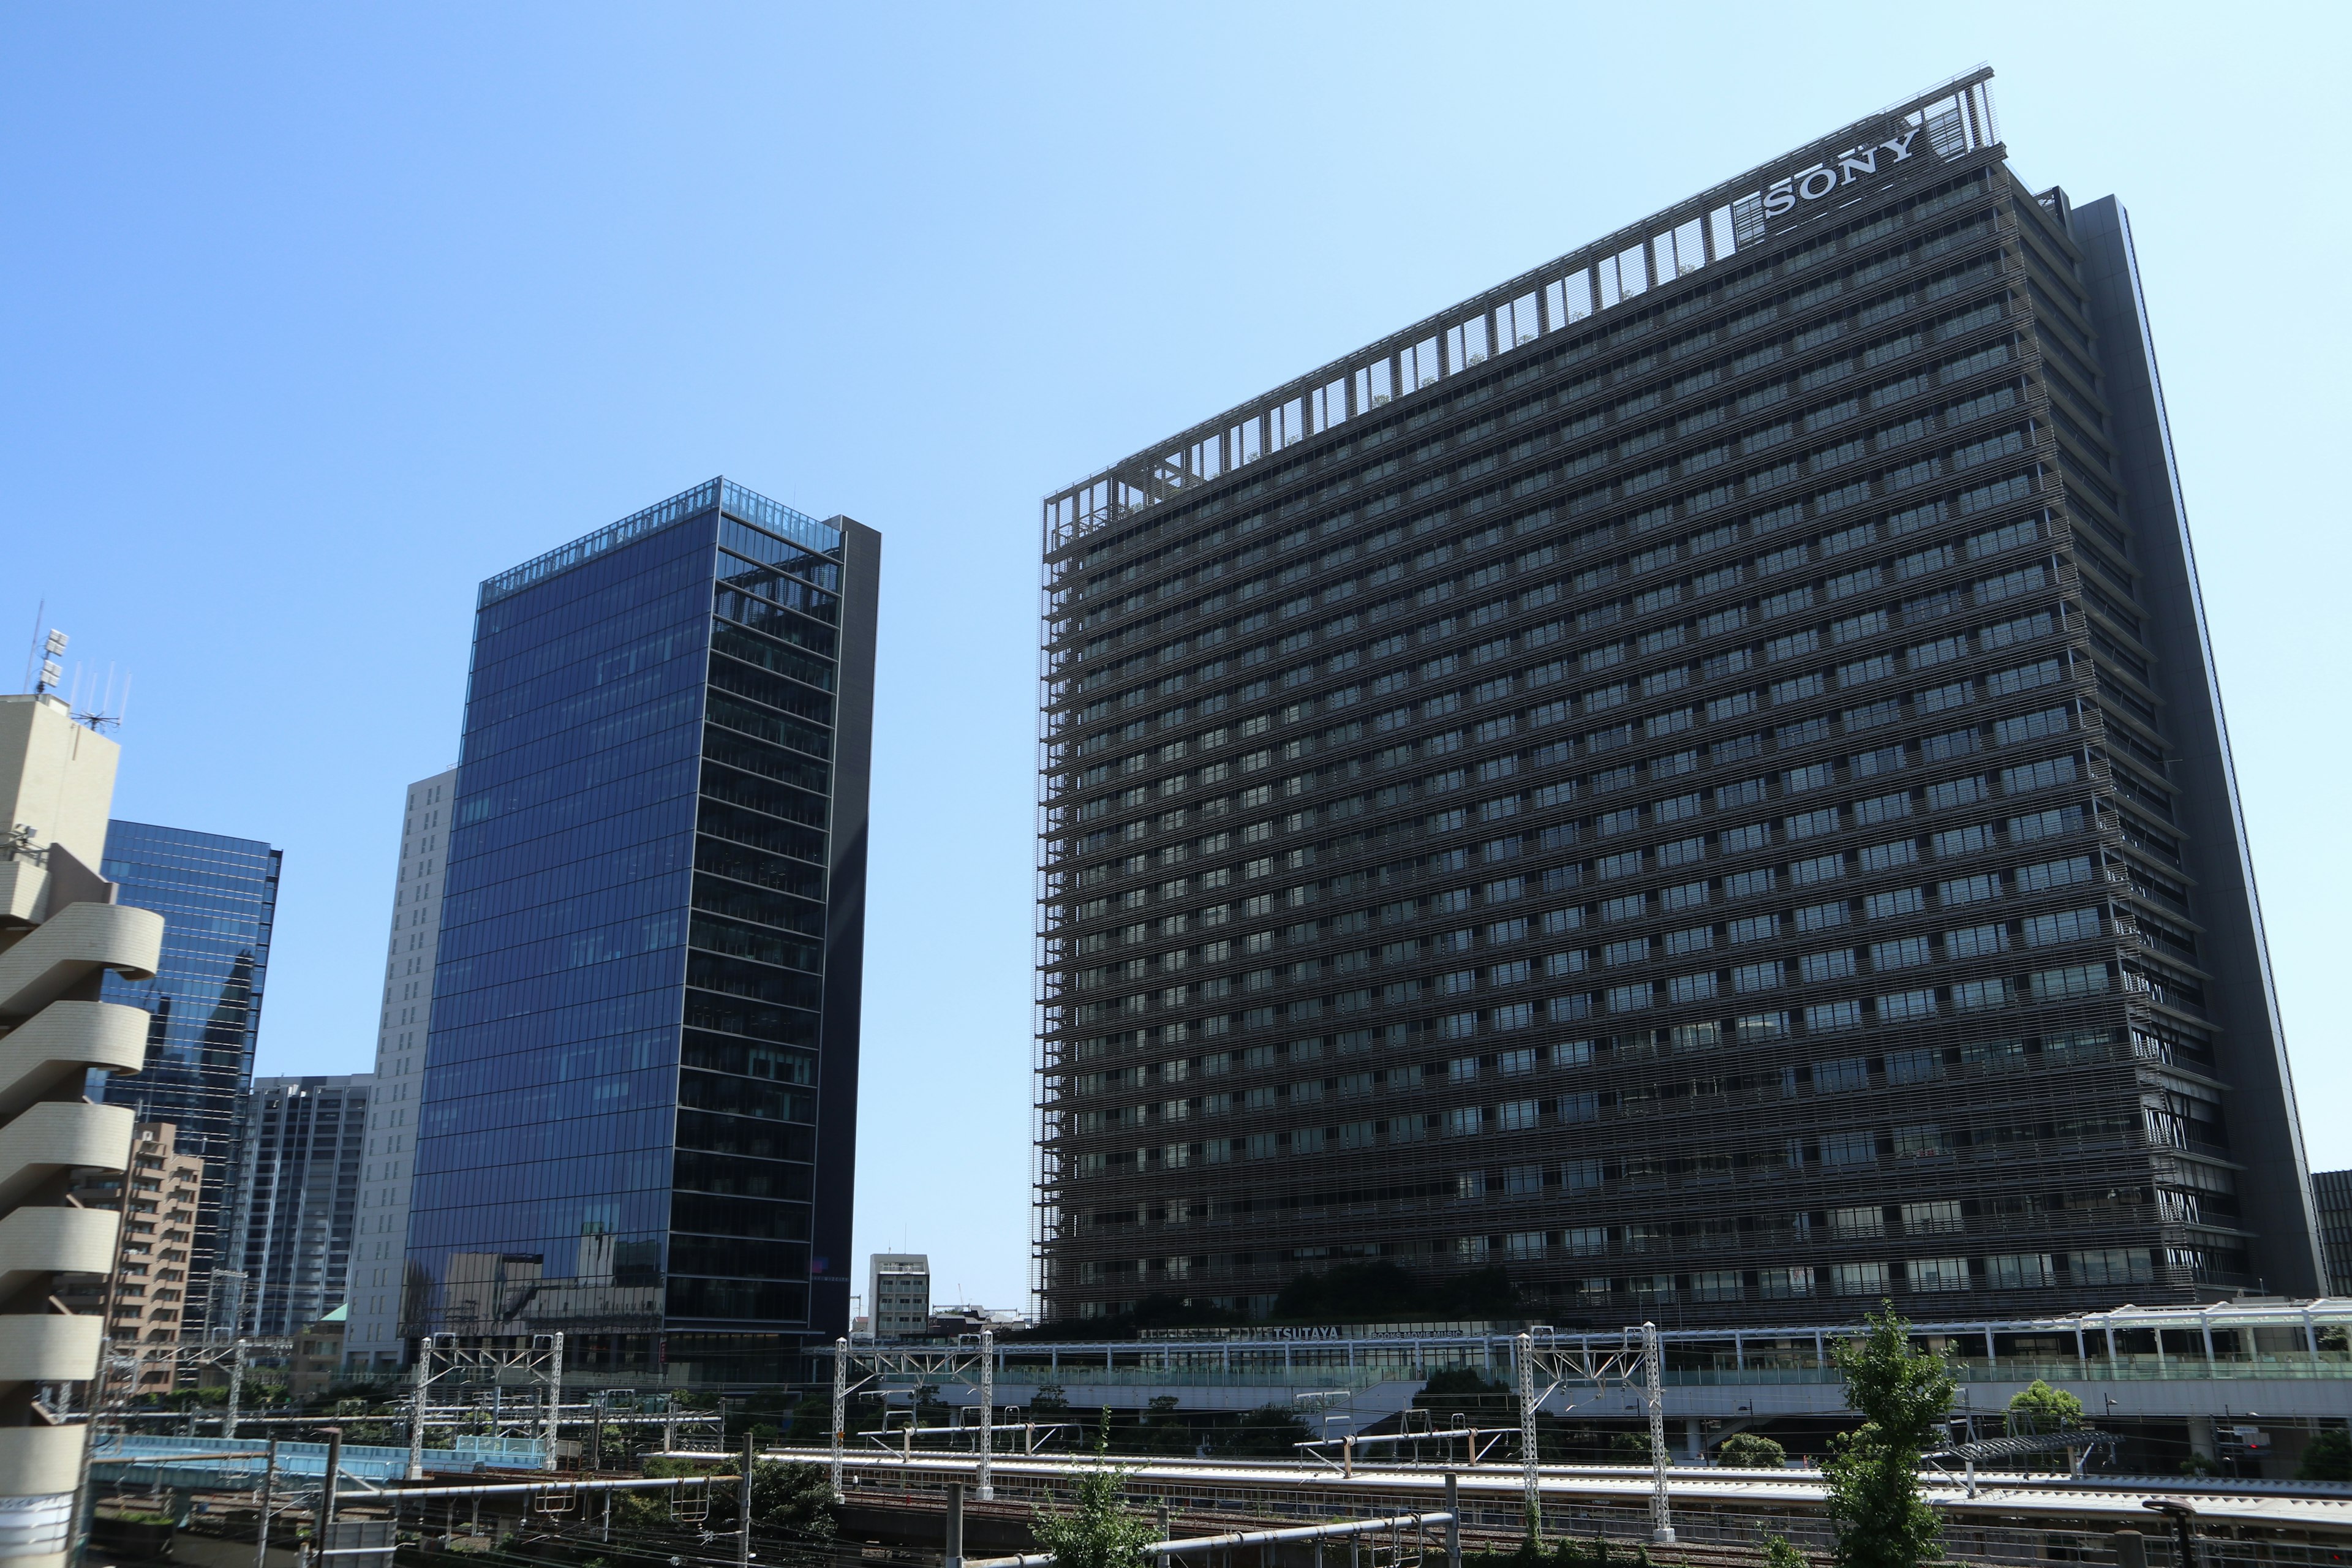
(373, 1339)
(60, 929)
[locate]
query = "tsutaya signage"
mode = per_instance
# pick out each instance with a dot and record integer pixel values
(1811, 185)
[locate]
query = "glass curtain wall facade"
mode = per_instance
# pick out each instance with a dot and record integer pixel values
(638, 1114)
(218, 898)
(2331, 1194)
(1695, 779)
(297, 1198)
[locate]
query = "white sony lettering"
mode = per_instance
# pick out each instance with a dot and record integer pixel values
(1811, 185)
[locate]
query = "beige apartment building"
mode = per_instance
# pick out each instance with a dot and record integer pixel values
(144, 1298)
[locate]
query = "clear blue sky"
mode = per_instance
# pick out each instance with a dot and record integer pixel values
(317, 315)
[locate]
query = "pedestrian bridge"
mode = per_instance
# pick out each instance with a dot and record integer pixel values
(2281, 1359)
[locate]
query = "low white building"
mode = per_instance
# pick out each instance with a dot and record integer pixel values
(898, 1295)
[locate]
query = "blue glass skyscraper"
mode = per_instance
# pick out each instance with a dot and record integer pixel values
(638, 1116)
(218, 898)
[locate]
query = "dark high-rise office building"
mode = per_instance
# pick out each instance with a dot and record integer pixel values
(1695, 777)
(218, 898)
(2331, 1195)
(296, 1205)
(638, 1118)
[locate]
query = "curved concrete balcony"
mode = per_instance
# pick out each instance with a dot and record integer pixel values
(45, 1057)
(22, 883)
(57, 1136)
(82, 939)
(48, 1347)
(41, 1463)
(36, 1243)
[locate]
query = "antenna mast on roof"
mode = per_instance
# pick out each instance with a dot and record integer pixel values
(50, 673)
(97, 717)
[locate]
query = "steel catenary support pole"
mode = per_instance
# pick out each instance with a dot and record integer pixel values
(1525, 1345)
(327, 1489)
(420, 1382)
(268, 1499)
(986, 1489)
(1662, 1524)
(743, 1505)
(236, 1390)
(555, 1395)
(840, 1410)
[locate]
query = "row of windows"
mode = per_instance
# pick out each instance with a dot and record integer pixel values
(1655, 555)
(2091, 1208)
(1827, 590)
(1989, 639)
(1850, 1150)
(1759, 443)
(1637, 361)
(1835, 1075)
(1960, 996)
(2097, 1267)
(1866, 670)
(1974, 996)
(1956, 945)
(1910, 1065)
(1729, 708)
(1747, 839)
(1952, 893)
(1880, 811)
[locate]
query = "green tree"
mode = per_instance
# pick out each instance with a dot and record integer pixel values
(1049, 1404)
(1751, 1451)
(2329, 1458)
(1874, 1477)
(1098, 1529)
(792, 1500)
(1781, 1553)
(1631, 1448)
(2039, 1409)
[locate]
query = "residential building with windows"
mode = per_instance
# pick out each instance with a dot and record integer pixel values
(296, 1213)
(2331, 1194)
(1695, 777)
(218, 896)
(319, 1359)
(638, 1118)
(372, 1337)
(898, 1295)
(144, 1298)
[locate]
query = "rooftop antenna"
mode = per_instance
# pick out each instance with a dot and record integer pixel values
(49, 651)
(97, 717)
(33, 644)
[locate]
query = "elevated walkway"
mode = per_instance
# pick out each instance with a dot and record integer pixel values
(236, 1462)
